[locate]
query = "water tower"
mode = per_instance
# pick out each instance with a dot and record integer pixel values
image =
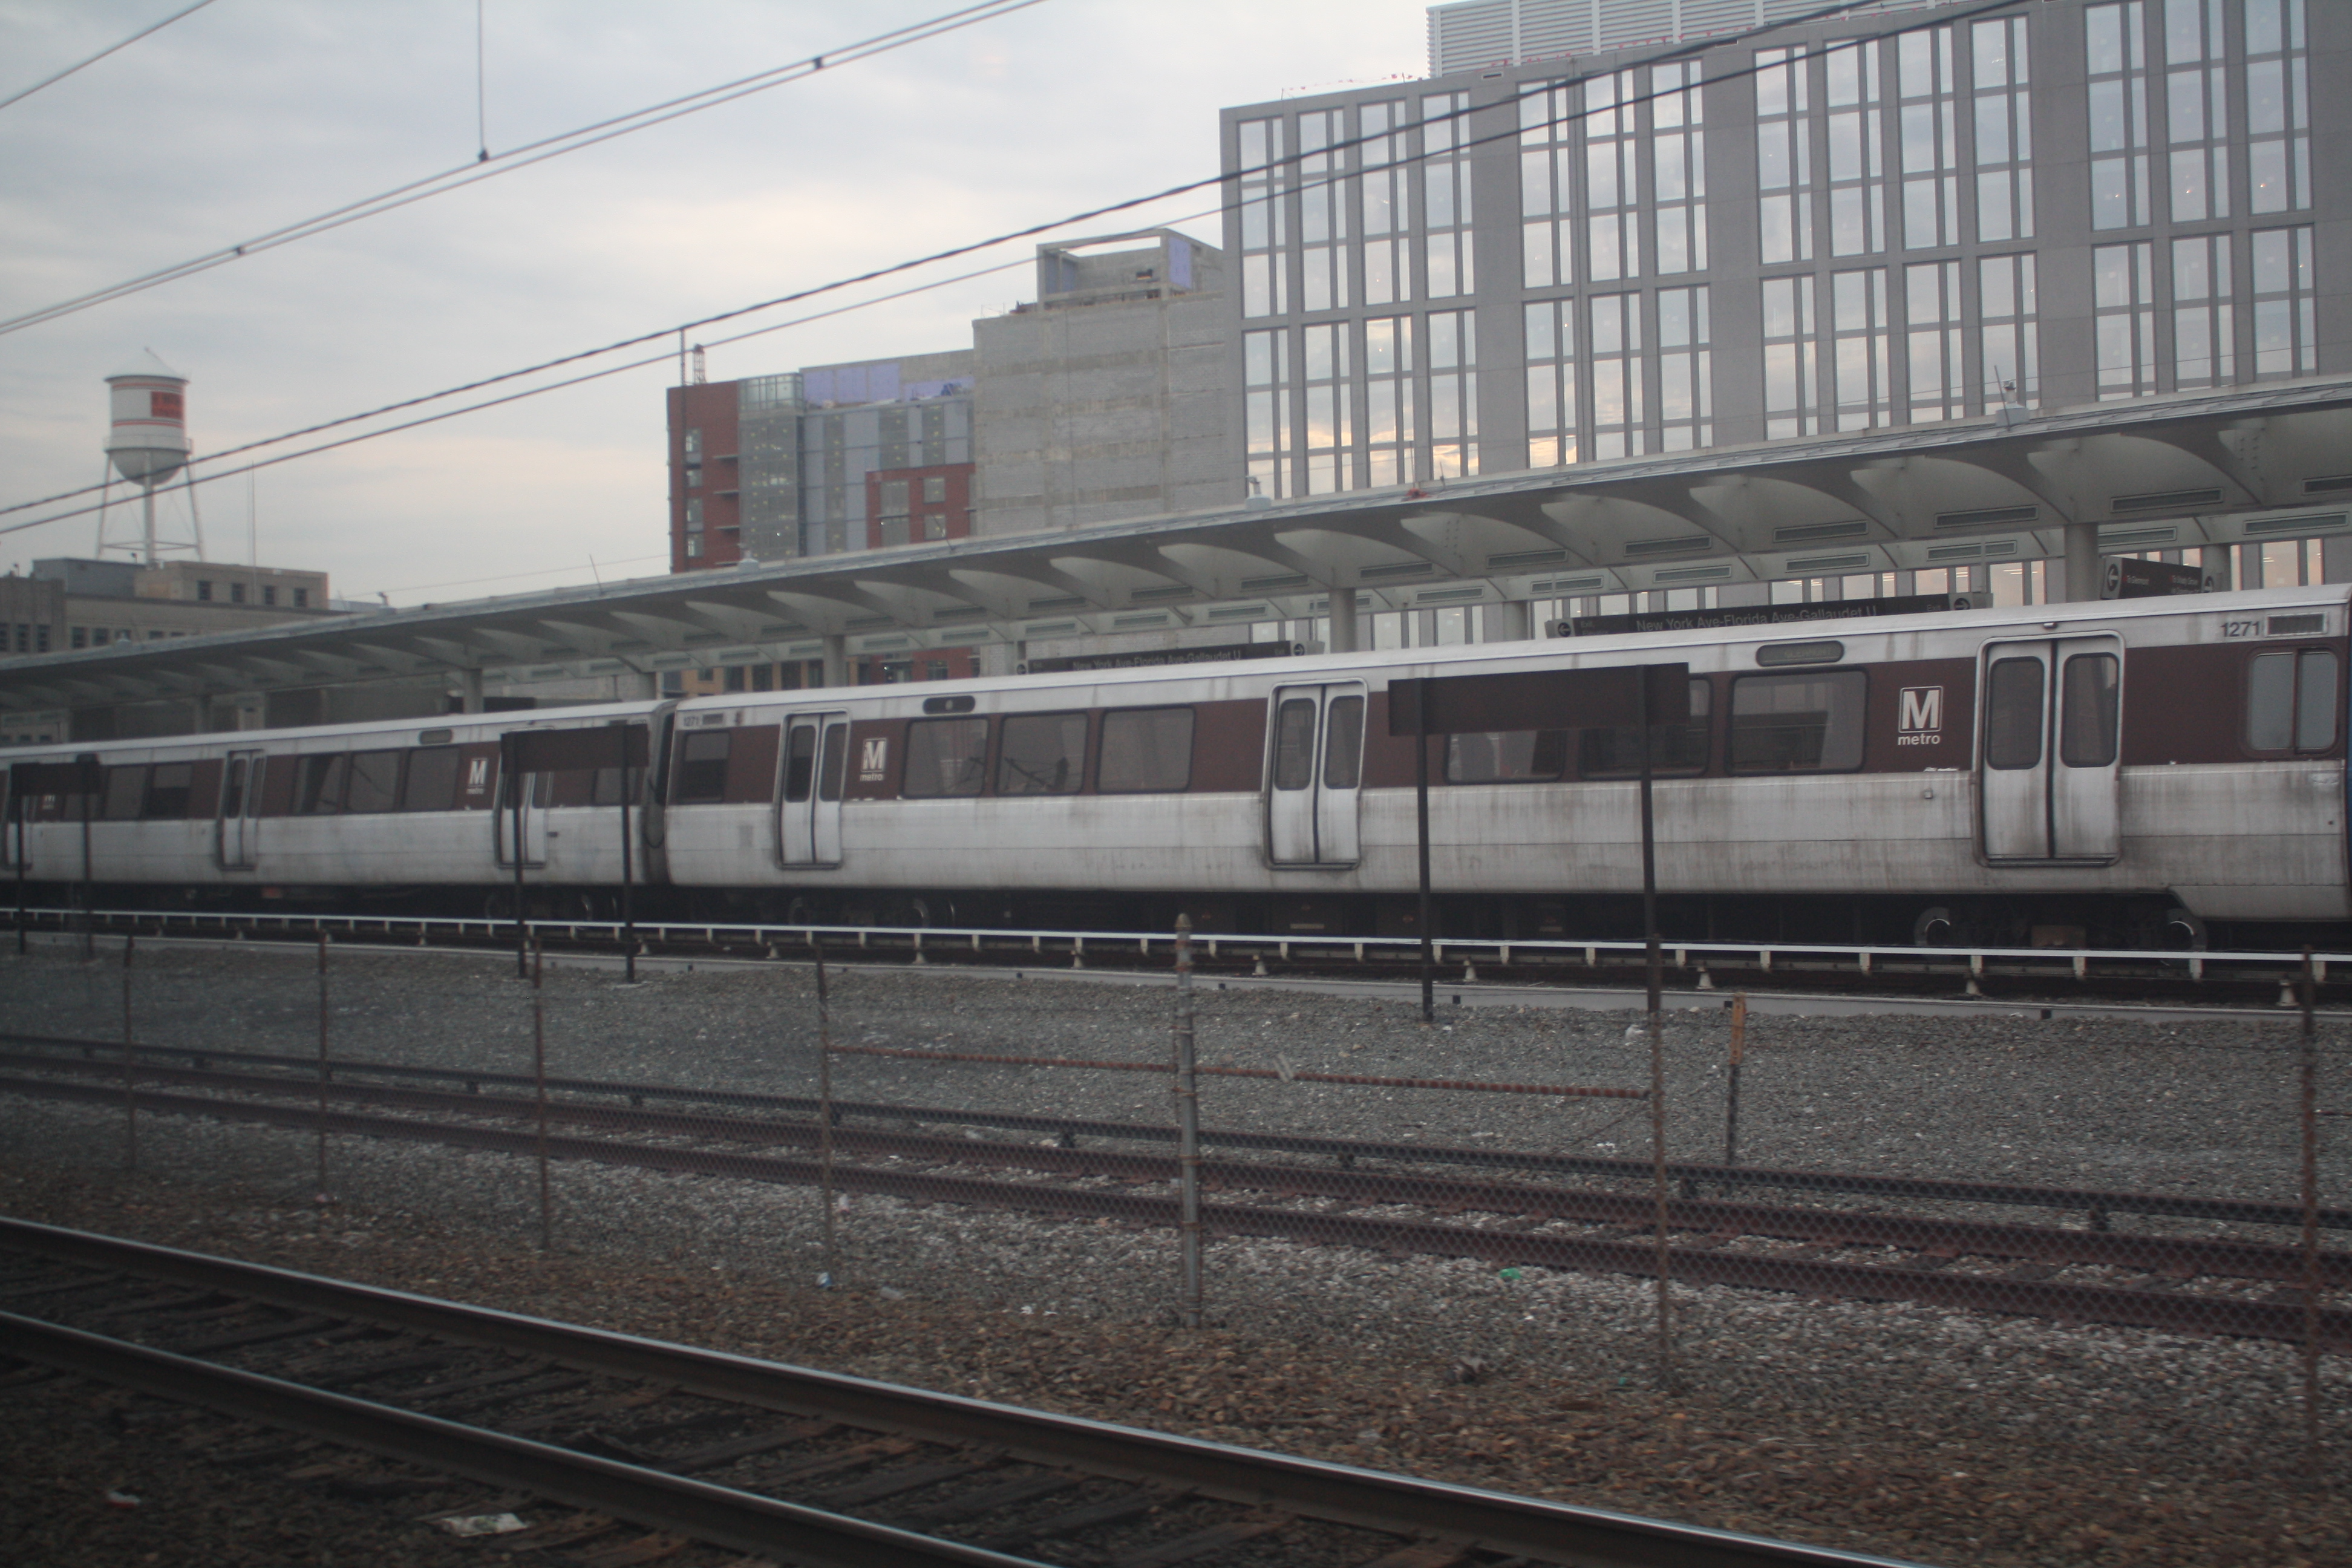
(147, 443)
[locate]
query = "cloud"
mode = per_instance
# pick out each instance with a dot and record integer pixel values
(253, 113)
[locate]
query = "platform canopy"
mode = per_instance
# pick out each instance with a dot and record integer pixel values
(2269, 462)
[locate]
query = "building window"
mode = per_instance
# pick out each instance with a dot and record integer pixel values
(1784, 156)
(1451, 263)
(1791, 360)
(1329, 426)
(2010, 342)
(935, 489)
(1857, 151)
(269, 594)
(236, 592)
(78, 636)
(2197, 110)
(301, 598)
(2286, 335)
(1678, 169)
(1931, 308)
(41, 638)
(1390, 428)
(1613, 345)
(1322, 212)
(1685, 371)
(2278, 108)
(2004, 130)
(2123, 293)
(1858, 349)
(2204, 336)
(1551, 382)
(1388, 269)
(204, 591)
(1547, 185)
(1265, 279)
(694, 544)
(1265, 405)
(1612, 226)
(1452, 393)
(2116, 40)
(693, 458)
(1931, 185)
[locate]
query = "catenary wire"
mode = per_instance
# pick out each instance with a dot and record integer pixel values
(479, 169)
(1511, 132)
(19, 95)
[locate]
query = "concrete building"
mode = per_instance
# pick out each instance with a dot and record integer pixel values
(1550, 254)
(1106, 397)
(120, 600)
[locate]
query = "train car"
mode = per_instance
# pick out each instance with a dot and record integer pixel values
(2137, 773)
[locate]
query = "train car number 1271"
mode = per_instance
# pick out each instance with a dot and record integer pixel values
(2241, 628)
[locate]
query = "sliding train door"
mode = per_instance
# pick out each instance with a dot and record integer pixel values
(237, 830)
(808, 810)
(2049, 771)
(1313, 782)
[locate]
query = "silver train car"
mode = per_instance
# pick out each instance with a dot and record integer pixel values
(2139, 772)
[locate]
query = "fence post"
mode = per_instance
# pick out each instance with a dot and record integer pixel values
(324, 1071)
(130, 1094)
(2311, 1277)
(1657, 1052)
(1188, 1130)
(539, 1080)
(1731, 1092)
(824, 1116)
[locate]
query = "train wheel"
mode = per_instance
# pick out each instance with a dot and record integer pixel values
(1935, 928)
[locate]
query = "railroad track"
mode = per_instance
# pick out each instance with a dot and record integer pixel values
(2206, 978)
(475, 1406)
(2175, 1282)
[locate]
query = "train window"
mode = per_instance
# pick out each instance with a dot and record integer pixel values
(1146, 751)
(126, 792)
(1294, 743)
(1343, 743)
(834, 764)
(436, 737)
(319, 789)
(947, 704)
(1505, 756)
(2291, 700)
(800, 763)
(2013, 714)
(1673, 748)
(702, 769)
(372, 780)
(2087, 712)
(1798, 723)
(1043, 753)
(168, 787)
(432, 784)
(945, 757)
(232, 798)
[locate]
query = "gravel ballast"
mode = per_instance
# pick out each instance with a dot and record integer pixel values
(1922, 1432)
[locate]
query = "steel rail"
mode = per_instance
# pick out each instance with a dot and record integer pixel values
(846, 944)
(2003, 1295)
(2175, 1256)
(720, 1515)
(1402, 1505)
(1925, 1189)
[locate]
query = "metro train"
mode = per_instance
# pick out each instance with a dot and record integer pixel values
(2145, 773)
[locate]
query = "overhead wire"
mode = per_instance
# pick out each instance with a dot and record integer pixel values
(19, 95)
(1031, 231)
(476, 169)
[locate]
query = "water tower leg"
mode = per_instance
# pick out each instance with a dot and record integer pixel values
(147, 554)
(195, 518)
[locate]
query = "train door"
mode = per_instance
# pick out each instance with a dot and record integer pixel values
(2048, 774)
(534, 817)
(237, 830)
(816, 755)
(1311, 788)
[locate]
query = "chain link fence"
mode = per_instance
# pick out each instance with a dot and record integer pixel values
(1892, 1214)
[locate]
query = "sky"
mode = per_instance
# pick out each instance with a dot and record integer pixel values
(250, 114)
